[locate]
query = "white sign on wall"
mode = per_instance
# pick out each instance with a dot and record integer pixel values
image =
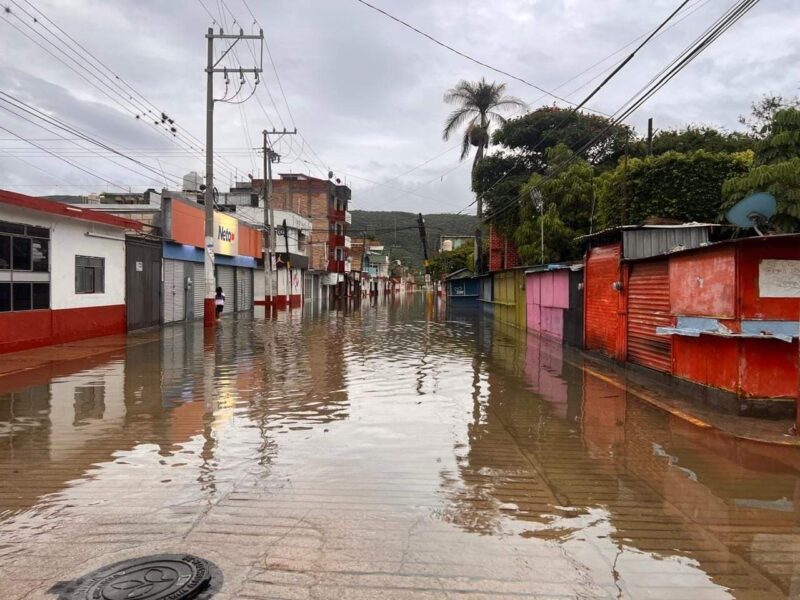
(779, 278)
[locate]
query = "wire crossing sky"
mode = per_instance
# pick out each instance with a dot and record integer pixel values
(364, 90)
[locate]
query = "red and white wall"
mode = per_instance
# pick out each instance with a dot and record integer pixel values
(71, 316)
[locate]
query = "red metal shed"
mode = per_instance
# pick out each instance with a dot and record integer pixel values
(737, 305)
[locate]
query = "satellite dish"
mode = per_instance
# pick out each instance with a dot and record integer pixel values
(754, 211)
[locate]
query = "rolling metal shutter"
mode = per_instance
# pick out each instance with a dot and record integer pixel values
(602, 300)
(227, 281)
(244, 289)
(648, 308)
(199, 291)
(173, 291)
(308, 286)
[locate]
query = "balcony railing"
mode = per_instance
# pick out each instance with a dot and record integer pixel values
(340, 266)
(336, 215)
(348, 243)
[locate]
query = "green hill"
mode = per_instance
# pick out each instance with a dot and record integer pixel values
(399, 233)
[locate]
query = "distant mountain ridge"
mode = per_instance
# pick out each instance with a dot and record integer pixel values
(398, 231)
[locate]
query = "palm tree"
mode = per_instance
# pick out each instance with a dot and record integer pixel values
(480, 104)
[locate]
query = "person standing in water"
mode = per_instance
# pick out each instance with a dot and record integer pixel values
(219, 301)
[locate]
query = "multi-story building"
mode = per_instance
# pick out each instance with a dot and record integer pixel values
(325, 203)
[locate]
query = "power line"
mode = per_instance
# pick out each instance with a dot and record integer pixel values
(660, 29)
(653, 33)
(708, 37)
(621, 65)
(104, 76)
(467, 56)
(20, 105)
(69, 162)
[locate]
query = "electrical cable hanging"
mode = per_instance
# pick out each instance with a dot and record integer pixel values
(105, 77)
(711, 34)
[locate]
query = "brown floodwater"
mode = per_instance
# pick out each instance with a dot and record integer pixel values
(395, 450)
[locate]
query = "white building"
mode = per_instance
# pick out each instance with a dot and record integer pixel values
(290, 284)
(62, 272)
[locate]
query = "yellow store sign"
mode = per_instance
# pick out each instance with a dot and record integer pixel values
(226, 235)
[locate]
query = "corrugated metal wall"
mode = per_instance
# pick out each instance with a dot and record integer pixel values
(573, 317)
(199, 290)
(643, 243)
(244, 288)
(173, 296)
(602, 317)
(648, 308)
(227, 281)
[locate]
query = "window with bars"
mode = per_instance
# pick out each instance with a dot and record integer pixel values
(90, 275)
(24, 267)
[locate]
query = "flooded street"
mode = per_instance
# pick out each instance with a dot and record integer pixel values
(391, 451)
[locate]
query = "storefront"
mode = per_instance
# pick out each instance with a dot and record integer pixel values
(62, 272)
(236, 247)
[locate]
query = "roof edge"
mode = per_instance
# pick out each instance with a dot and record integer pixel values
(68, 211)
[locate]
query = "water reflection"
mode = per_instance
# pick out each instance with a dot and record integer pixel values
(556, 453)
(392, 437)
(179, 394)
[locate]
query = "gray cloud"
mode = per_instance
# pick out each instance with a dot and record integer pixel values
(366, 92)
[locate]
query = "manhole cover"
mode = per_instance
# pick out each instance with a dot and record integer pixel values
(161, 577)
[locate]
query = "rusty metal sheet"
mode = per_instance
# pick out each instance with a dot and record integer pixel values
(649, 309)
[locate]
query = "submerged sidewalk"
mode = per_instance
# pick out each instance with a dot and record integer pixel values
(678, 404)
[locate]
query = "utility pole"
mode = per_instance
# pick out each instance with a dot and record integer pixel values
(211, 68)
(288, 266)
(650, 136)
(478, 252)
(269, 232)
(424, 239)
(269, 215)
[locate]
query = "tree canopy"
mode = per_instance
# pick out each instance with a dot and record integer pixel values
(693, 138)
(776, 170)
(560, 203)
(683, 187)
(533, 134)
(445, 263)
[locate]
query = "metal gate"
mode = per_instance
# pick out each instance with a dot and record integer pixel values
(199, 289)
(244, 289)
(227, 281)
(602, 317)
(142, 283)
(173, 296)
(308, 287)
(648, 308)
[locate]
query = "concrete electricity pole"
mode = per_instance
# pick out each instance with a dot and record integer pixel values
(424, 240)
(211, 68)
(269, 215)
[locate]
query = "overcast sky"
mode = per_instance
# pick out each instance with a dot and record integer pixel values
(365, 92)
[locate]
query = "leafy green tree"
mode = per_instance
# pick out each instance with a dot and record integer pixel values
(561, 203)
(694, 138)
(683, 187)
(445, 263)
(776, 170)
(533, 134)
(498, 180)
(763, 112)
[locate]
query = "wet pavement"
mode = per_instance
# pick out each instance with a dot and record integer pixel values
(392, 451)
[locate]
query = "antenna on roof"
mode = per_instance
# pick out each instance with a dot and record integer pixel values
(754, 211)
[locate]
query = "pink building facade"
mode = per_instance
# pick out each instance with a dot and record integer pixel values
(554, 302)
